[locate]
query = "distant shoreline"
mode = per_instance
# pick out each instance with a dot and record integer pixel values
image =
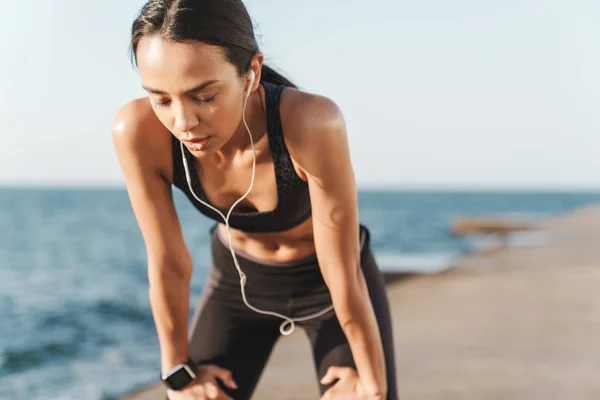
(361, 189)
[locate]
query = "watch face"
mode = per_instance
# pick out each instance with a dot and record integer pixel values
(179, 379)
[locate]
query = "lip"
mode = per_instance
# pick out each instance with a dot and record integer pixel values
(195, 140)
(196, 144)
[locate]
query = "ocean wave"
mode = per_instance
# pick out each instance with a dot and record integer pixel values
(111, 311)
(76, 329)
(18, 360)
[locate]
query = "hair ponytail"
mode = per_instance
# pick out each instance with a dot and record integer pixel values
(269, 75)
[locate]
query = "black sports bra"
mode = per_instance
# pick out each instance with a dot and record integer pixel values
(293, 201)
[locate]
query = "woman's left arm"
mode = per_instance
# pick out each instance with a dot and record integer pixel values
(322, 151)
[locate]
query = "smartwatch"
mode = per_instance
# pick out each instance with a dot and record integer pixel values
(180, 375)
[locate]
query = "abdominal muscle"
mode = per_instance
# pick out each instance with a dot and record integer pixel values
(273, 247)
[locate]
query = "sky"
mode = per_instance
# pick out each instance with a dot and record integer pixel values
(436, 94)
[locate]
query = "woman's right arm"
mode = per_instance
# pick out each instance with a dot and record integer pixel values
(141, 145)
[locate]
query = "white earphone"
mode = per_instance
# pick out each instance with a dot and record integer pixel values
(283, 328)
(252, 75)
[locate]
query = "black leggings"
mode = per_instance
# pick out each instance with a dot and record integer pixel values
(227, 333)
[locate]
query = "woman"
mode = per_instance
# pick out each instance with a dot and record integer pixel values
(232, 133)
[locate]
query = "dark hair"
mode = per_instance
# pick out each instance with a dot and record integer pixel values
(224, 23)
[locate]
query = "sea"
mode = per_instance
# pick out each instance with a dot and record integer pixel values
(75, 321)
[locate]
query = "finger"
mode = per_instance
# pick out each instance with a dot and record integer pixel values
(224, 375)
(333, 373)
(214, 392)
(197, 392)
(330, 375)
(211, 390)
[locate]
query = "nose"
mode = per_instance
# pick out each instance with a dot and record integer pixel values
(185, 119)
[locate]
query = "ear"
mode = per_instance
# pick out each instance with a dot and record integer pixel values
(256, 65)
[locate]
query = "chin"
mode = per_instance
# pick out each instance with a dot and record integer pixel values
(201, 153)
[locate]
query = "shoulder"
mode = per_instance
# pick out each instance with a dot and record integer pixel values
(313, 125)
(306, 115)
(133, 119)
(138, 134)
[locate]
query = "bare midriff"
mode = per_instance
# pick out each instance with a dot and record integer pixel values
(273, 247)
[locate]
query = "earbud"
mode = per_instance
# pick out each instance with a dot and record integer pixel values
(251, 82)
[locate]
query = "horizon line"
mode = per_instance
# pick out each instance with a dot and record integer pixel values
(364, 186)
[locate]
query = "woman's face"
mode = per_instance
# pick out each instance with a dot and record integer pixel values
(194, 91)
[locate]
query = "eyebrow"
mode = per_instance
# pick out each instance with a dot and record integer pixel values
(190, 91)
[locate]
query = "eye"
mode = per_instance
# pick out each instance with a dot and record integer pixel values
(162, 103)
(205, 101)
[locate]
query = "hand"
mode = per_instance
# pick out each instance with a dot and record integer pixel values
(347, 387)
(205, 385)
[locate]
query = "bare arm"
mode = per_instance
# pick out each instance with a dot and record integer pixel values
(322, 151)
(140, 152)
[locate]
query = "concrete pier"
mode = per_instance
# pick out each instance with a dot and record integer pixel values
(516, 322)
